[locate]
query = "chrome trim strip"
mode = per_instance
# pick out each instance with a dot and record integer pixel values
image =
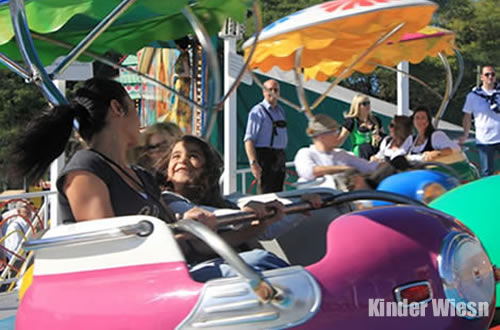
(213, 62)
(448, 90)
(91, 36)
(234, 321)
(141, 229)
(239, 305)
(258, 28)
(13, 66)
(106, 61)
(299, 86)
(412, 77)
(461, 69)
(211, 311)
(445, 268)
(34, 66)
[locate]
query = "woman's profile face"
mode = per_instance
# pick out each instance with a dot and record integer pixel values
(133, 124)
(364, 106)
(185, 163)
(420, 121)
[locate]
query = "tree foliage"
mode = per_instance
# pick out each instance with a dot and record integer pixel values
(19, 103)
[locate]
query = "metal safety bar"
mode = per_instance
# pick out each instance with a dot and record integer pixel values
(229, 221)
(142, 229)
(263, 289)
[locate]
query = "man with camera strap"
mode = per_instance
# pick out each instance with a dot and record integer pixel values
(266, 139)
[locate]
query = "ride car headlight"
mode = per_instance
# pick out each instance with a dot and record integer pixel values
(466, 272)
(430, 192)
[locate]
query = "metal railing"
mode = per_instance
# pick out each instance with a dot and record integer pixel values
(243, 172)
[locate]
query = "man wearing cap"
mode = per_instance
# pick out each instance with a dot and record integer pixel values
(266, 139)
(322, 157)
(484, 104)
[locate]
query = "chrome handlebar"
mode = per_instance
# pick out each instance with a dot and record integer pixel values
(263, 289)
(142, 229)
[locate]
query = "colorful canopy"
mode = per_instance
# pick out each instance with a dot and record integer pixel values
(340, 31)
(413, 47)
(145, 22)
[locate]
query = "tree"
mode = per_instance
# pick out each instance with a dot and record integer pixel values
(19, 103)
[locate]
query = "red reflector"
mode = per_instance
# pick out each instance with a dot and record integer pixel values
(414, 293)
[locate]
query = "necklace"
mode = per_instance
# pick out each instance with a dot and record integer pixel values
(125, 172)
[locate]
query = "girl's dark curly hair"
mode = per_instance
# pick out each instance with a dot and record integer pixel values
(203, 189)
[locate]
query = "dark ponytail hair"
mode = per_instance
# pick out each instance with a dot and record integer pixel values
(47, 135)
(430, 128)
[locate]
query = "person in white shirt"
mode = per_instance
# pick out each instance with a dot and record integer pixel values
(484, 104)
(15, 227)
(398, 142)
(429, 143)
(322, 157)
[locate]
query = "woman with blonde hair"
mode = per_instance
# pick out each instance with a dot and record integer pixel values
(154, 143)
(363, 128)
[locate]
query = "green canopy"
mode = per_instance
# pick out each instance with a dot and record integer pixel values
(144, 23)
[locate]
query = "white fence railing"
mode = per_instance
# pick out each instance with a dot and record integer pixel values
(242, 173)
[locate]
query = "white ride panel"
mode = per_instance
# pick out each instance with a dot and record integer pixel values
(159, 247)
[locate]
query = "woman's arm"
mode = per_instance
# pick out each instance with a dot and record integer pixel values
(88, 196)
(443, 146)
(344, 134)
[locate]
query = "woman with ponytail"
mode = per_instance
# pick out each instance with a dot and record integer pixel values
(96, 182)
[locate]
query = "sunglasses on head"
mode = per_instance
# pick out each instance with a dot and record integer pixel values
(489, 74)
(365, 103)
(152, 147)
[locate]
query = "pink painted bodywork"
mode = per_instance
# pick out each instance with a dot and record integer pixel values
(148, 297)
(369, 254)
(372, 253)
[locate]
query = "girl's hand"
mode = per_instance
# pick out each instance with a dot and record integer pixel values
(205, 217)
(261, 210)
(313, 199)
(258, 208)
